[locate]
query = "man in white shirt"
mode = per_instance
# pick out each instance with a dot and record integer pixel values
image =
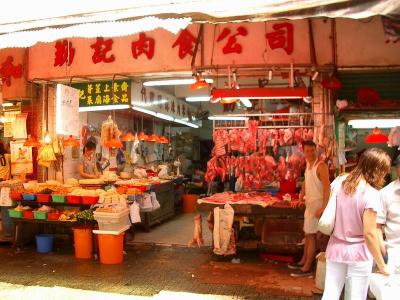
(389, 218)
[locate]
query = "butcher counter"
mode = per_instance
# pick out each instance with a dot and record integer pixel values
(278, 228)
(245, 210)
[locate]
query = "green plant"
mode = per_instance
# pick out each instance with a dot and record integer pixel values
(85, 217)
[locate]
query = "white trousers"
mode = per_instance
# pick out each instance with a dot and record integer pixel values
(355, 275)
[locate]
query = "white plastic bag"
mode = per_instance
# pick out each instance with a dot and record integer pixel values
(327, 221)
(134, 211)
(156, 205)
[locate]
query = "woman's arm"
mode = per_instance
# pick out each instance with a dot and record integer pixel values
(379, 231)
(82, 174)
(371, 239)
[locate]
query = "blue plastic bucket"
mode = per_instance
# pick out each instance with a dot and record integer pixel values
(44, 243)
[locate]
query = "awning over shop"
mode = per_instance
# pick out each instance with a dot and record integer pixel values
(52, 20)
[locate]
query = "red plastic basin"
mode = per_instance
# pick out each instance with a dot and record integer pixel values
(88, 200)
(74, 199)
(43, 198)
(53, 216)
(28, 214)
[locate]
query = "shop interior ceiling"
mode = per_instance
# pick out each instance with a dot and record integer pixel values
(27, 15)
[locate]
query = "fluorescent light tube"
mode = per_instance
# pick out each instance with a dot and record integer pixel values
(372, 123)
(198, 99)
(186, 123)
(185, 81)
(165, 117)
(246, 102)
(148, 104)
(102, 108)
(144, 110)
(7, 104)
(227, 118)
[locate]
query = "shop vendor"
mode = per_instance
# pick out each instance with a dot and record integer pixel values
(87, 163)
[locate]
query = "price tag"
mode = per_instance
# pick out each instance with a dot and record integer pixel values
(5, 199)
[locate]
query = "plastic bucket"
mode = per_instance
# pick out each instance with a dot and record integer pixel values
(44, 243)
(111, 248)
(83, 243)
(189, 202)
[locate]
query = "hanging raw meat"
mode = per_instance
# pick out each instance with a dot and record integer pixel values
(281, 169)
(274, 140)
(220, 141)
(252, 142)
(233, 140)
(263, 136)
(298, 137)
(288, 136)
(281, 137)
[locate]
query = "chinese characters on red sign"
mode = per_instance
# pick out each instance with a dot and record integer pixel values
(232, 46)
(8, 70)
(186, 42)
(64, 52)
(101, 49)
(282, 37)
(145, 45)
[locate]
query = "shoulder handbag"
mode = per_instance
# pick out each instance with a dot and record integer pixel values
(327, 221)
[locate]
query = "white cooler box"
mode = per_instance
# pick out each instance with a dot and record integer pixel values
(112, 221)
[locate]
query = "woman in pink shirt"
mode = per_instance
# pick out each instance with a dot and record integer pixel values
(354, 242)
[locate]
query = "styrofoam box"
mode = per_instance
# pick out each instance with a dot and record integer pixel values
(112, 221)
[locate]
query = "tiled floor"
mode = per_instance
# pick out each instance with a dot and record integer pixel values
(177, 231)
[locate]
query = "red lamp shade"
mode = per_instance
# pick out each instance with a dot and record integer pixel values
(332, 83)
(113, 144)
(128, 137)
(163, 140)
(153, 138)
(367, 96)
(376, 137)
(199, 84)
(142, 136)
(32, 142)
(71, 142)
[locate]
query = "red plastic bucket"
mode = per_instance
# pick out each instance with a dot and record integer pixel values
(111, 248)
(73, 199)
(28, 214)
(53, 216)
(43, 198)
(83, 242)
(88, 200)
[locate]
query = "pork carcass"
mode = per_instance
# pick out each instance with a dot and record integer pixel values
(274, 140)
(263, 136)
(298, 137)
(233, 140)
(252, 141)
(282, 168)
(288, 136)
(220, 141)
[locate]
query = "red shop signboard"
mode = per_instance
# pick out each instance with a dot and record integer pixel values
(159, 50)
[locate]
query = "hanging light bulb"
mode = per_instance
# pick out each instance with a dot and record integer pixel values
(376, 137)
(163, 140)
(199, 84)
(128, 137)
(47, 138)
(113, 143)
(2, 119)
(142, 136)
(71, 142)
(31, 142)
(153, 138)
